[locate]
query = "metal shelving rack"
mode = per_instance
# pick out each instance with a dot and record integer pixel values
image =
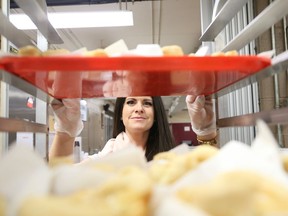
(46, 34)
(278, 116)
(273, 13)
(215, 27)
(19, 125)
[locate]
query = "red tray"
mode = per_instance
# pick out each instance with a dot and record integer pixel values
(87, 77)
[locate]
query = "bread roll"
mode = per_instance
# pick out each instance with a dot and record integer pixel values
(172, 50)
(231, 53)
(228, 53)
(55, 52)
(97, 53)
(218, 54)
(127, 193)
(238, 193)
(168, 167)
(29, 51)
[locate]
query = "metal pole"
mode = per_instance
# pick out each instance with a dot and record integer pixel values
(4, 87)
(276, 88)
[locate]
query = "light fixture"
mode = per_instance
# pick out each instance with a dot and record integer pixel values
(77, 19)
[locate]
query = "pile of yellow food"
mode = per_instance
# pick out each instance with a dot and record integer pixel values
(128, 193)
(34, 51)
(131, 190)
(238, 193)
(170, 50)
(30, 50)
(168, 167)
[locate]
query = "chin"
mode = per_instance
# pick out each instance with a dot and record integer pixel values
(139, 129)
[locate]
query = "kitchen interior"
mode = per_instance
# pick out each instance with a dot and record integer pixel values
(245, 175)
(186, 23)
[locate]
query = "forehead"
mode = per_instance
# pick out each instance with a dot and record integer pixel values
(140, 98)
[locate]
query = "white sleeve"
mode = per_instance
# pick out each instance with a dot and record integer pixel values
(108, 148)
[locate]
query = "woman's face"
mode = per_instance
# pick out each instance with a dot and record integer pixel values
(138, 114)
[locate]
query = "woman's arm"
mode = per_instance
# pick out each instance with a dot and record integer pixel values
(62, 145)
(202, 119)
(68, 125)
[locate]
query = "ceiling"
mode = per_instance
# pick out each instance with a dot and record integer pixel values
(165, 22)
(75, 2)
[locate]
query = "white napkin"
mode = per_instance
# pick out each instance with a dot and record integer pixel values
(23, 173)
(262, 157)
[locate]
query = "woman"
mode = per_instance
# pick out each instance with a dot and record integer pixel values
(141, 121)
(151, 128)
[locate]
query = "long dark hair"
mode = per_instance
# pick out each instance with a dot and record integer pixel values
(160, 137)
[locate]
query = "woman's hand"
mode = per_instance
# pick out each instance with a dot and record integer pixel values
(202, 116)
(68, 117)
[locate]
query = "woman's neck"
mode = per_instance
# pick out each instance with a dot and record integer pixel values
(139, 139)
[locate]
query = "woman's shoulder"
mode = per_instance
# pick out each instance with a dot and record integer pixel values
(112, 145)
(110, 142)
(108, 148)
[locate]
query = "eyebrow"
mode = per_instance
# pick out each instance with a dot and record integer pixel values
(147, 99)
(144, 99)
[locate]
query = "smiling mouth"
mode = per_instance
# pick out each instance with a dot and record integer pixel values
(138, 118)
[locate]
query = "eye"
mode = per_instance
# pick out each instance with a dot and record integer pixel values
(148, 104)
(130, 102)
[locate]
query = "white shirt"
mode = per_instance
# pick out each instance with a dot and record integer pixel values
(120, 142)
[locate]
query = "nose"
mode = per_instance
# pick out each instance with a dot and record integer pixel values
(139, 107)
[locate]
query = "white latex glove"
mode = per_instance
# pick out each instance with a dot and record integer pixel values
(68, 117)
(201, 115)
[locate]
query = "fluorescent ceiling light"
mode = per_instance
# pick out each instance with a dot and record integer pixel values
(77, 19)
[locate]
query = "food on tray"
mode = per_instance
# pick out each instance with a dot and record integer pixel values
(34, 51)
(231, 53)
(218, 54)
(172, 50)
(97, 52)
(51, 52)
(238, 193)
(127, 193)
(168, 167)
(29, 51)
(228, 53)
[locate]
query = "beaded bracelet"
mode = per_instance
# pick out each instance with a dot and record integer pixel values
(212, 142)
